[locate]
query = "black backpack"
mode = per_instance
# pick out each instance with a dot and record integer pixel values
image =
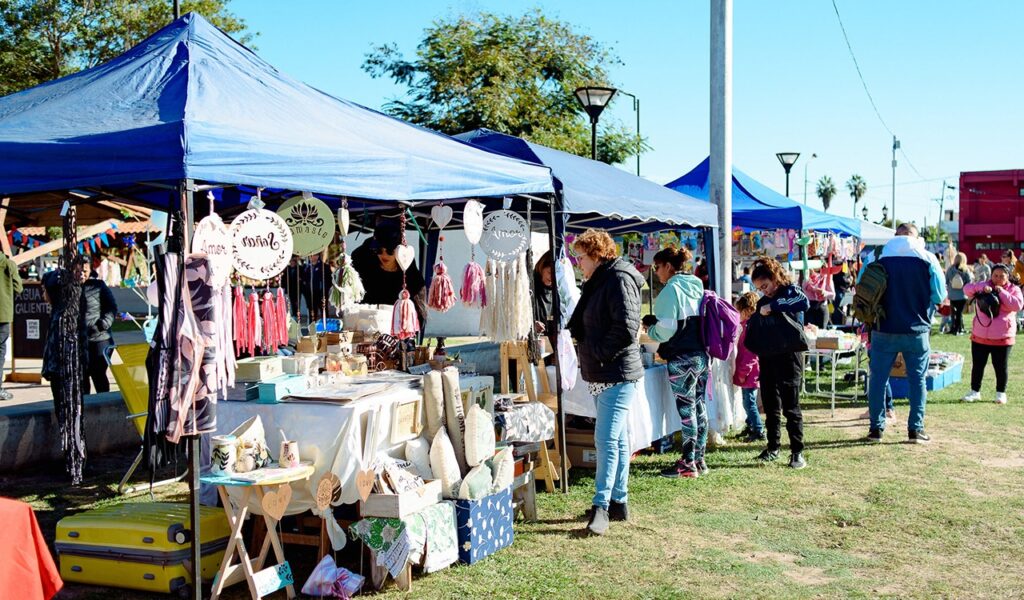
(988, 304)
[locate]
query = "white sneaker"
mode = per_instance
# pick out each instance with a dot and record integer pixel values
(972, 397)
(1000, 397)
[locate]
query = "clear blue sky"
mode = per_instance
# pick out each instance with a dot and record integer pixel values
(945, 76)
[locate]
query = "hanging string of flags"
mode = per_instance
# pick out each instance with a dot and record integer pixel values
(17, 238)
(100, 240)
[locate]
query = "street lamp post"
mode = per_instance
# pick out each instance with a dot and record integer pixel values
(864, 212)
(895, 147)
(636, 109)
(885, 215)
(942, 201)
(594, 100)
(813, 156)
(788, 159)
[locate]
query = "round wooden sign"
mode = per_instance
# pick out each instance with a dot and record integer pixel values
(505, 236)
(262, 244)
(311, 222)
(213, 238)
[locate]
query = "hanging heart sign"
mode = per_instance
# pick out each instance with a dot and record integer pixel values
(274, 503)
(404, 254)
(364, 483)
(473, 221)
(311, 222)
(343, 220)
(328, 491)
(505, 235)
(261, 244)
(442, 215)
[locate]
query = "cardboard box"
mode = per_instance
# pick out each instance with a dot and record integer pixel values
(582, 456)
(258, 368)
(271, 392)
(579, 437)
(827, 343)
(484, 526)
(302, 364)
(899, 368)
(399, 506)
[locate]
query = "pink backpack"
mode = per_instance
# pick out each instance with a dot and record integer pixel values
(720, 325)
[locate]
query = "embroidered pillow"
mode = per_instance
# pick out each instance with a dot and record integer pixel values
(503, 466)
(444, 465)
(477, 483)
(454, 418)
(479, 436)
(433, 402)
(417, 451)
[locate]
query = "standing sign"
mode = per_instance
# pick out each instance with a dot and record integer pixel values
(31, 322)
(262, 244)
(506, 235)
(311, 223)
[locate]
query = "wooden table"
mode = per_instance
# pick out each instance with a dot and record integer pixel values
(262, 581)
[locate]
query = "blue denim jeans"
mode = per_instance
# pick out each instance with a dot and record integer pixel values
(884, 348)
(750, 407)
(611, 438)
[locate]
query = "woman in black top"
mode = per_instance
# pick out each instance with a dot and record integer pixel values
(375, 262)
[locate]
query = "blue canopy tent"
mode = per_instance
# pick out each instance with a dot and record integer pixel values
(595, 194)
(756, 206)
(190, 103)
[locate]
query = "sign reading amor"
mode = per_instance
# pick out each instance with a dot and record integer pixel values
(262, 244)
(506, 235)
(213, 238)
(311, 222)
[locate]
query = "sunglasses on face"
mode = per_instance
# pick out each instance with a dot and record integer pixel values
(387, 251)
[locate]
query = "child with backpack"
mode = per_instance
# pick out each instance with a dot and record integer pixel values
(994, 331)
(747, 371)
(781, 371)
(676, 323)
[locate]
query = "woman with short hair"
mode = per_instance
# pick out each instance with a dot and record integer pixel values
(605, 324)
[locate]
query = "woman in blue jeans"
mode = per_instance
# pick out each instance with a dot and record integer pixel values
(605, 325)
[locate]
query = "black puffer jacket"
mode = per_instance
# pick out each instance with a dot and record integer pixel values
(98, 310)
(605, 324)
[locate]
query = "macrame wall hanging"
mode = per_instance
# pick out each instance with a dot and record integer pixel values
(442, 293)
(347, 287)
(405, 323)
(474, 291)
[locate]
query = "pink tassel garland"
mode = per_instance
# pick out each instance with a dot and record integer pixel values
(238, 310)
(282, 318)
(252, 324)
(473, 293)
(404, 322)
(442, 292)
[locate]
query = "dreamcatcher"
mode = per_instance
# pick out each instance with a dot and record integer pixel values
(442, 293)
(404, 322)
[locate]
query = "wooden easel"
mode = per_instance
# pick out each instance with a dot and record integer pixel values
(547, 469)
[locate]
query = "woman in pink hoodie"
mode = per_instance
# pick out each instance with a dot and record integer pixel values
(993, 336)
(747, 372)
(820, 291)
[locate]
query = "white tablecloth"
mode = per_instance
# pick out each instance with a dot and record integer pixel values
(331, 435)
(652, 416)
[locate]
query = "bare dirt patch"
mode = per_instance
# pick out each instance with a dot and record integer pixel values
(801, 574)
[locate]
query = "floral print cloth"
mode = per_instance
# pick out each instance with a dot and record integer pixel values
(431, 532)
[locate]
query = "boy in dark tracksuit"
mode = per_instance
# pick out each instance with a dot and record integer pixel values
(781, 374)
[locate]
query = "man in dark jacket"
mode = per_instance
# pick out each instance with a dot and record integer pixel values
(98, 311)
(915, 285)
(605, 324)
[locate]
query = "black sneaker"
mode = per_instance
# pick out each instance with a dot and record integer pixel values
(702, 467)
(796, 461)
(744, 433)
(768, 456)
(918, 437)
(875, 435)
(618, 511)
(755, 436)
(598, 524)
(681, 469)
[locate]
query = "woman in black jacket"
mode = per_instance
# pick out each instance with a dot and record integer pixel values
(98, 312)
(605, 325)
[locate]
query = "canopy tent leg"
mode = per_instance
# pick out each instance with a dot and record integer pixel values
(555, 238)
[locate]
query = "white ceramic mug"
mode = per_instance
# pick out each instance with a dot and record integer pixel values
(223, 454)
(289, 456)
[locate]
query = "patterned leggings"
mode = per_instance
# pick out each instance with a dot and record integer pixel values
(688, 376)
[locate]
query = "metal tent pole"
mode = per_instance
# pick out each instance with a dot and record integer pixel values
(721, 132)
(555, 238)
(188, 226)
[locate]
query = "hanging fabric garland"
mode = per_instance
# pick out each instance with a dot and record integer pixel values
(442, 292)
(474, 291)
(404, 322)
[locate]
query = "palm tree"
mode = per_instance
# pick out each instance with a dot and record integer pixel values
(826, 191)
(857, 187)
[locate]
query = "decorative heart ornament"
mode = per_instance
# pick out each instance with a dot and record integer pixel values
(364, 483)
(473, 221)
(274, 503)
(442, 215)
(404, 254)
(328, 491)
(343, 221)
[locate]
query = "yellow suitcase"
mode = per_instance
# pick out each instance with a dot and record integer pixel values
(139, 546)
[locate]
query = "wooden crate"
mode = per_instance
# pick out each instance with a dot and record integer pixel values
(399, 506)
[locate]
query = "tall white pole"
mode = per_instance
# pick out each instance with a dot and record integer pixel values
(720, 166)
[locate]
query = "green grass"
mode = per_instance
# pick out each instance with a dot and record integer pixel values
(862, 521)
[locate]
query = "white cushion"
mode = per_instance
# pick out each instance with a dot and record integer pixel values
(477, 483)
(454, 418)
(433, 402)
(444, 465)
(417, 451)
(479, 436)
(503, 467)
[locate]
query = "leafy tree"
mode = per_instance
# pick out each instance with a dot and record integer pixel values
(826, 191)
(42, 40)
(511, 74)
(857, 188)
